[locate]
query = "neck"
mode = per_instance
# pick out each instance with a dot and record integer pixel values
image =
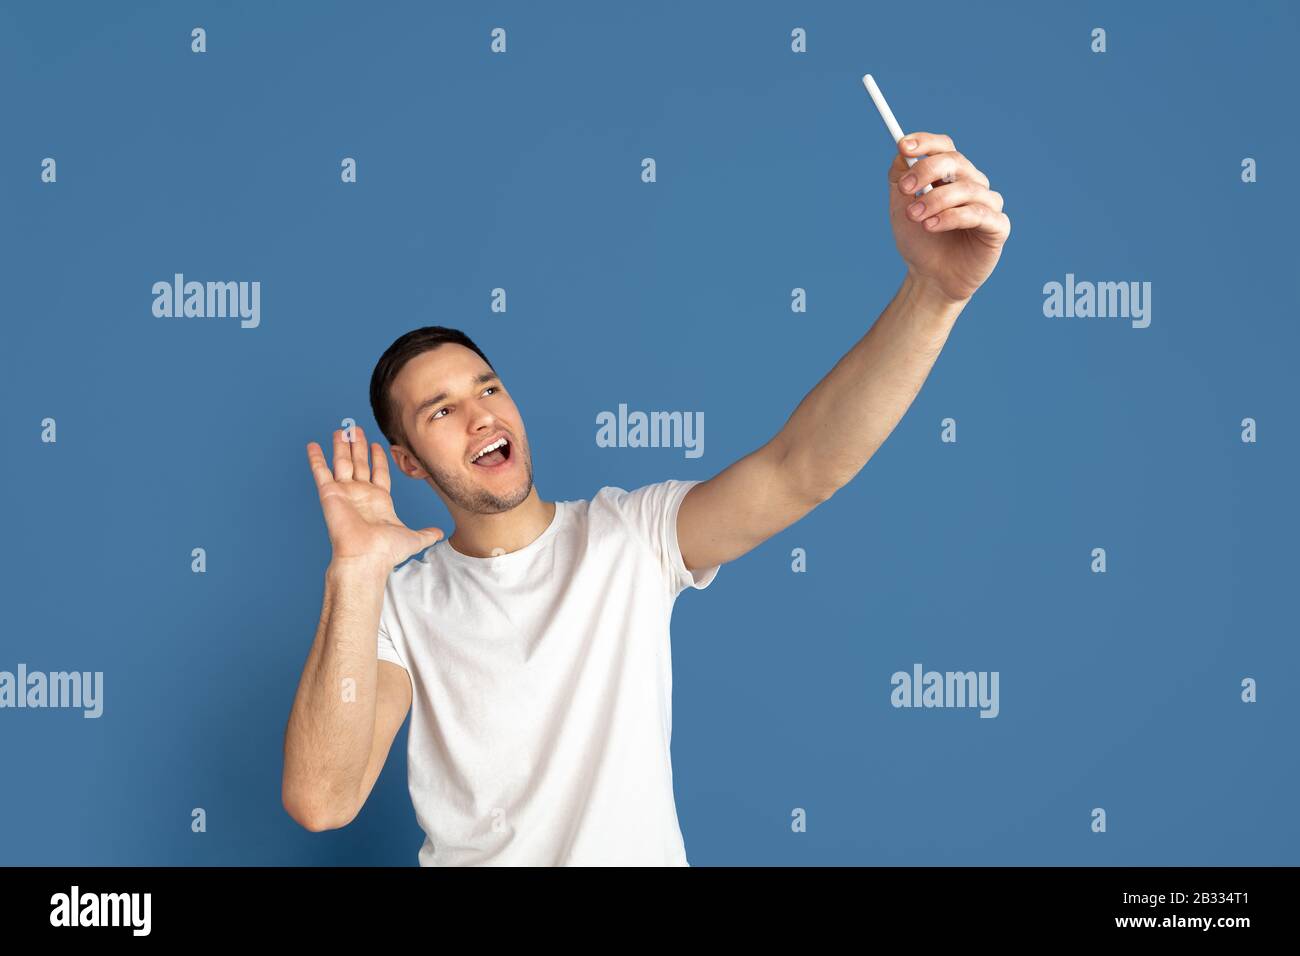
(483, 536)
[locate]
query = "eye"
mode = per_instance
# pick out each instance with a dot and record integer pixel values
(490, 388)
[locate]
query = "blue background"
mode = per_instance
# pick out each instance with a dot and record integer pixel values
(1118, 690)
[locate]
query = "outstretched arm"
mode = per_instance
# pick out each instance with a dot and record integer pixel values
(950, 245)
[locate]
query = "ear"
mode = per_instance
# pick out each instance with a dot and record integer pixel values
(407, 464)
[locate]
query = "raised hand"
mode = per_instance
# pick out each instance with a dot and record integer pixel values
(358, 503)
(952, 237)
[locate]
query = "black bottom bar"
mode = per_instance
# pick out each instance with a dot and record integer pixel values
(210, 905)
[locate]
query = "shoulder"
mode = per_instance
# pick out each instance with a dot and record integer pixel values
(655, 494)
(657, 490)
(647, 508)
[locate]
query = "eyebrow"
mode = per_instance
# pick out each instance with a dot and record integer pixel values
(479, 380)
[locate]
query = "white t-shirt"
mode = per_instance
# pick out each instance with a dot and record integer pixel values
(542, 688)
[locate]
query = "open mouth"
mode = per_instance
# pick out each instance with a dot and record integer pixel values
(492, 455)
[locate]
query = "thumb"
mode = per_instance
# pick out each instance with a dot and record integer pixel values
(429, 537)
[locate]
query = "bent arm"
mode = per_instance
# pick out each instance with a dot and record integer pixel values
(338, 736)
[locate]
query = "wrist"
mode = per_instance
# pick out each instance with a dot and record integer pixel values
(365, 567)
(928, 295)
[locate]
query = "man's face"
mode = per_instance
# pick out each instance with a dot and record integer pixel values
(452, 407)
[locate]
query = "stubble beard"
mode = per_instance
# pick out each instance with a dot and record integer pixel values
(469, 497)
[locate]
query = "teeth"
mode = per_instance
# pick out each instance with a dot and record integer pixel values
(499, 443)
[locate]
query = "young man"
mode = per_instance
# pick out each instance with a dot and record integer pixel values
(534, 642)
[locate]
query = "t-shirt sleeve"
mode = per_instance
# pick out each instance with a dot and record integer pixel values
(387, 648)
(651, 511)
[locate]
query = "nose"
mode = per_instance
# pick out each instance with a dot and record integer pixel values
(480, 419)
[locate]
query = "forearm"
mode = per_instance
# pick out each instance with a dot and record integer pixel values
(331, 726)
(839, 424)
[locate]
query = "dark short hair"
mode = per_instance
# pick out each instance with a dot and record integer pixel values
(413, 343)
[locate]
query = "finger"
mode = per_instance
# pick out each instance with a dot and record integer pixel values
(945, 167)
(360, 456)
(380, 476)
(342, 457)
(971, 216)
(319, 470)
(952, 195)
(924, 144)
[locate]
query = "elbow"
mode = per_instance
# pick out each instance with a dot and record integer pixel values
(818, 493)
(810, 478)
(812, 493)
(319, 824)
(315, 815)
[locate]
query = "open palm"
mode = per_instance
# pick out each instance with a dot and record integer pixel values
(358, 504)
